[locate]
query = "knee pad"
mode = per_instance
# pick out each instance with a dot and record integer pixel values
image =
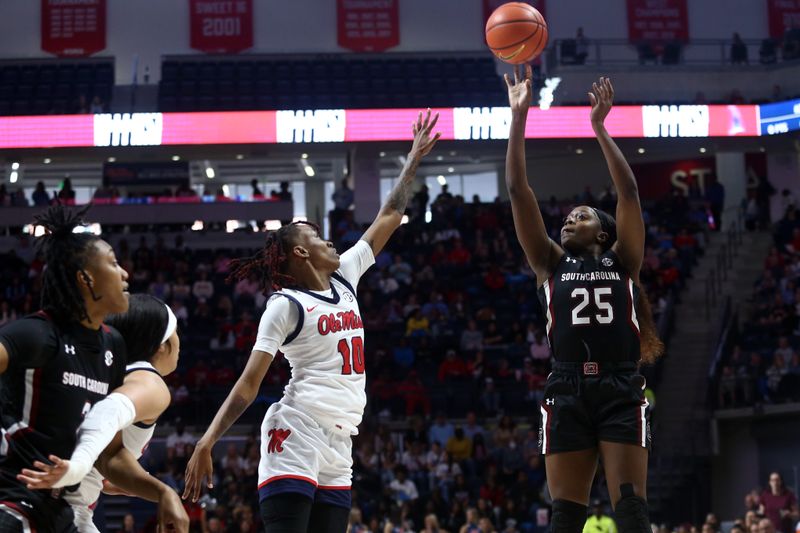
(631, 512)
(568, 517)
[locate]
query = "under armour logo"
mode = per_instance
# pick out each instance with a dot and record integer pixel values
(550, 401)
(109, 358)
(607, 261)
(276, 438)
(69, 348)
(572, 260)
(349, 297)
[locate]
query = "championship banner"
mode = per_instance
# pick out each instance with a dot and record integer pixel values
(221, 26)
(782, 14)
(73, 27)
(688, 177)
(367, 25)
(658, 21)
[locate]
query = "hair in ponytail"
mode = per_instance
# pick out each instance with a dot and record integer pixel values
(66, 255)
(270, 264)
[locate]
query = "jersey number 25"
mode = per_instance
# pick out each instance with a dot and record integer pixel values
(605, 314)
(356, 355)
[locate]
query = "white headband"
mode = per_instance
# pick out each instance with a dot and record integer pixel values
(172, 323)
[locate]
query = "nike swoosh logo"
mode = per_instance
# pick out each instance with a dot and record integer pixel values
(513, 54)
(309, 309)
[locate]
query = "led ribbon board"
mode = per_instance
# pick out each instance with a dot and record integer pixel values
(375, 125)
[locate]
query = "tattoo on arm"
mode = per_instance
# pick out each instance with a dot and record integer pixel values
(401, 194)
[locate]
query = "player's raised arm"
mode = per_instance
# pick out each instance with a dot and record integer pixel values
(391, 214)
(630, 224)
(542, 253)
(200, 465)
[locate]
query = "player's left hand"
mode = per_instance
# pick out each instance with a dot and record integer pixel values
(602, 98)
(46, 476)
(422, 127)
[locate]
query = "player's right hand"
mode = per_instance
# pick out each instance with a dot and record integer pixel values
(199, 468)
(520, 92)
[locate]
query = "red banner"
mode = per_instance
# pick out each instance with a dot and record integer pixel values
(221, 26)
(367, 25)
(689, 177)
(658, 21)
(783, 14)
(73, 27)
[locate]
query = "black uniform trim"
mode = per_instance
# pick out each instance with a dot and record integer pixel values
(144, 369)
(300, 318)
(338, 277)
(143, 425)
(331, 300)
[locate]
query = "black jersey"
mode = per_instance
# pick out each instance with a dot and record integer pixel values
(589, 304)
(55, 374)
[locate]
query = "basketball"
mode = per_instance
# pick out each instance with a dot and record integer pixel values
(516, 32)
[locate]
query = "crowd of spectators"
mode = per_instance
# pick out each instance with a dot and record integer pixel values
(763, 365)
(456, 333)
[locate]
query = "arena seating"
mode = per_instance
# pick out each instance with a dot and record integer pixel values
(328, 82)
(54, 87)
(411, 330)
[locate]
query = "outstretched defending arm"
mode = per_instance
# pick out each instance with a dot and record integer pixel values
(391, 214)
(543, 254)
(630, 224)
(200, 465)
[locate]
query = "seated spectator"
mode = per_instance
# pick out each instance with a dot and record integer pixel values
(441, 430)
(403, 489)
(540, 348)
(97, 105)
(202, 288)
(738, 51)
(471, 337)
(459, 446)
(67, 195)
(581, 47)
(418, 325)
(179, 439)
(401, 270)
(452, 367)
(40, 197)
(403, 354)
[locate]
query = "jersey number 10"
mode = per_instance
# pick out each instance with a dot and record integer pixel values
(605, 313)
(356, 355)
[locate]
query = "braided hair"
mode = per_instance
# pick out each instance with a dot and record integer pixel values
(66, 254)
(271, 262)
(650, 346)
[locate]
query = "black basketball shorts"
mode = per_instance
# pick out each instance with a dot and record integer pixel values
(23, 510)
(585, 403)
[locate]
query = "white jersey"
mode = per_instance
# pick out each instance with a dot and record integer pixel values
(321, 334)
(135, 439)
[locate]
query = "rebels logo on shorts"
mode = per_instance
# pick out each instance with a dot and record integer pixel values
(276, 438)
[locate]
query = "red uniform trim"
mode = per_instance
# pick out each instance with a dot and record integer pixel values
(287, 476)
(23, 513)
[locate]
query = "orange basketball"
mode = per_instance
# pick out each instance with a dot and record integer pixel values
(516, 32)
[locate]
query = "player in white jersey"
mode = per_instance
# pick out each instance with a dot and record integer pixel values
(150, 331)
(313, 318)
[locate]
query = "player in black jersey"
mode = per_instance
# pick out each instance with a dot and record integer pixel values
(599, 327)
(53, 366)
